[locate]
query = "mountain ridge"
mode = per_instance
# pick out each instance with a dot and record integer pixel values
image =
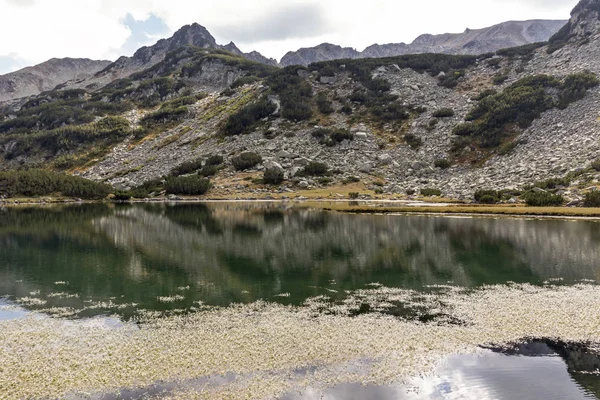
(471, 41)
(35, 79)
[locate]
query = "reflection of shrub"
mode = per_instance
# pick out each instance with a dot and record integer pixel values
(187, 185)
(543, 199)
(430, 192)
(246, 161)
(273, 176)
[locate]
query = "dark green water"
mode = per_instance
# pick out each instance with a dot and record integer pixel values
(235, 252)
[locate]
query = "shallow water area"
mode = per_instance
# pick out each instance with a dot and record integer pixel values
(294, 300)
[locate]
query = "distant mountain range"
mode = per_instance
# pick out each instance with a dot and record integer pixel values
(471, 41)
(46, 76)
(92, 75)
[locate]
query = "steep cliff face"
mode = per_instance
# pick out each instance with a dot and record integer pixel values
(471, 41)
(31, 81)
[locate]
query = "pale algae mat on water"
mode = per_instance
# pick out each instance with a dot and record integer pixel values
(171, 321)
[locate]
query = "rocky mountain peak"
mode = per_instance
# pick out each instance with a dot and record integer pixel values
(585, 19)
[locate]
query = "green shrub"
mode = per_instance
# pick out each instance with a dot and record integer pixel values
(413, 141)
(315, 168)
(331, 137)
(246, 161)
(209, 170)
(443, 113)
(214, 160)
(144, 190)
(244, 80)
(410, 192)
(450, 80)
(520, 104)
(592, 199)
(543, 199)
(165, 115)
(294, 92)
(245, 119)
(187, 167)
(351, 179)
(122, 195)
(442, 163)
(487, 196)
(431, 192)
(596, 164)
(353, 195)
(484, 94)
(499, 79)
(552, 183)
(273, 176)
(325, 106)
(32, 183)
(187, 185)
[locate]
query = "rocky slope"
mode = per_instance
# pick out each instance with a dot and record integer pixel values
(392, 124)
(31, 81)
(471, 41)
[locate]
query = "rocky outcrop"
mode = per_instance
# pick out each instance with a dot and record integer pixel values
(31, 81)
(322, 52)
(471, 41)
(190, 35)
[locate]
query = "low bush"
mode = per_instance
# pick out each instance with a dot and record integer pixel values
(245, 119)
(351, 179)
(122, 195)
(542, 199)
(410, 192)
(315, 168)
(246, 161)
(33, 183)
(273, 176)
(353, 195)
(553, 183)
(443, 113)
(332, 136)
(214, 160)
(187, 167)
(487, 196)
(325, 106)
(187, 185)
(431, 192)
(209, 170)
(592, 199)
(442, 163)
(596, 164)
(413, 141)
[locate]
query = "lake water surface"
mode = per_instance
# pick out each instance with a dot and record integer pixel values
(79, 262)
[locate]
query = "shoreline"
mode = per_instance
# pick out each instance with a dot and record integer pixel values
(350, 206)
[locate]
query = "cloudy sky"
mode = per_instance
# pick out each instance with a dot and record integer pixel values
(34, 31)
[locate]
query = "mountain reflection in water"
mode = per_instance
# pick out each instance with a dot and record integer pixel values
(221, 253)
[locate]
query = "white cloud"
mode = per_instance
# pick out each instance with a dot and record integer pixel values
(36, 30)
